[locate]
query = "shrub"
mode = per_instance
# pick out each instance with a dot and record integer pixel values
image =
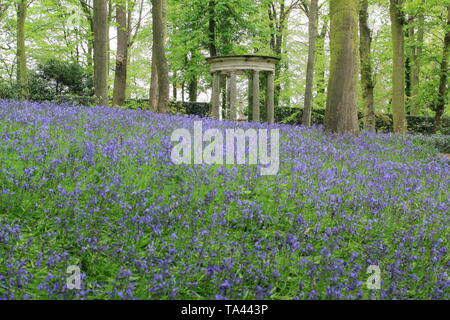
(137, 104)
(8, 90)
(55, 81)
(293, 116)
(439, 142)
(40, 90)
(200, 109)
(76, 100)
(384, 122)
(65, 78)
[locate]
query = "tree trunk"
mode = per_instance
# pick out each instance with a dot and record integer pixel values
(154, 86)
(212, 35)
(341, 115)
(440, 108)
(417, 54)
(277, 24)
(101, 51)
(286, 98)
(120, 79)
(413, 75)
(174, 86)
(193, 88)
(212, 28)
(159, 54)
(183, 87)
(22, 71)
(321, 64)
(366, 65)
(407, 29)
(108, 44)
(312, 34)
(398, 74)
(277, 90)
(90, 33)
(90, 52)
(278, 52)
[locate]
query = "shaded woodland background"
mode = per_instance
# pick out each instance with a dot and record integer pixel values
(108, 53)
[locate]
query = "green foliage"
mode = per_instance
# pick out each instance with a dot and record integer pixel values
(416, 124)
(65, 77)
(200, 109)
(40, 88)
(54, 79)
(190, 39)
(191, 108)
(441, 143)
(384, 122)
(8, 90)
(142, 104)
(75, 100)
(242, 26)
(293, 116)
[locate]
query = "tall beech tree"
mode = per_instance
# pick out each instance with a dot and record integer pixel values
(154, 90)
(416, 54)
(125, 40)
(89, 15)
(313, 12)
(120, 79)
(398, 73)
(278, 13)
(159, 55)
(212, 28)
(365, 46)
(442, 97)
(322, 59)
(22, 70)
(415, 43)
(101, 51)
(341, 115)
(417, 50)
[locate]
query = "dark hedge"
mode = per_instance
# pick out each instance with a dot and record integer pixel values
(288, 115)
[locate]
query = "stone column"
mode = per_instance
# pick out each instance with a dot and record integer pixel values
(270, 98)
(256, 116)
(233, 97)
(215, 99)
